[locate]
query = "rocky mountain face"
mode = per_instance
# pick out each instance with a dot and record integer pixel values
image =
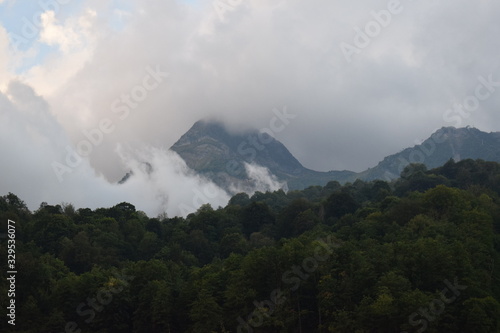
(237, 161)
(207, 146)
(227, 159)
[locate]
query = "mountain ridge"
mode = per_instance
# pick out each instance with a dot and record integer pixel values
(435, 151)
(211, 150)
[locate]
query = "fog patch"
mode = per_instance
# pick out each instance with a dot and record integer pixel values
(260, 179)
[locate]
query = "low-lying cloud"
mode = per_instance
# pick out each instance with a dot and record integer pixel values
(259, 179)
(32, 140)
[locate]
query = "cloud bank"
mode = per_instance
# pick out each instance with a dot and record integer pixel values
(412, 61)
(33, 143)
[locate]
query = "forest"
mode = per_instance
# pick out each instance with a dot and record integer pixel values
(418, 254)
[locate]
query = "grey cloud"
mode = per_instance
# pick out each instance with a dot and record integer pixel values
(269, 55)
(35, 150)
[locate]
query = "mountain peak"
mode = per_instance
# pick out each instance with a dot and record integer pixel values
(444, 144)
(207, 128)
(208, 147)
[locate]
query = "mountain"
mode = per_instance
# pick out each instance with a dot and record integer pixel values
(445, 143)
(231, 160)
(211, 150)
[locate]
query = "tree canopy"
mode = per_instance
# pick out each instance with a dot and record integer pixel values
(418, 254)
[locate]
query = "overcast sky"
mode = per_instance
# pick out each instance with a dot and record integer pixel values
(364, 80)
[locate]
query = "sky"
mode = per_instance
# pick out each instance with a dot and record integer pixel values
(90, 89)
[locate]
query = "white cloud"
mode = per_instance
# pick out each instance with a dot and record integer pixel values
(261, 57)
(5, 59)
(264, 56)
(75, 39)
(262, 179)
(33, 141)
(53, 34)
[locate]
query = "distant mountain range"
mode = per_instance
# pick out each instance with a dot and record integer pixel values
(211, 150)
(445, 144)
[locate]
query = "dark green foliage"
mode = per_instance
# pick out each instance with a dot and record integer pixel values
(255, 216)
(339, 204)
(363, 257)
